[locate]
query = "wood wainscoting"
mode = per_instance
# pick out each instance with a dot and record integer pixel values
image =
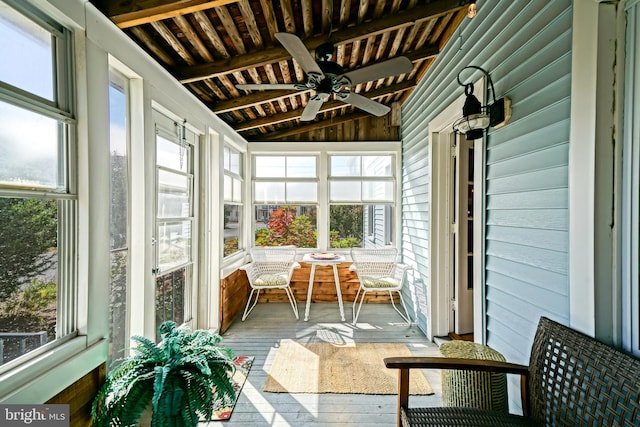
(234, 290)
(79, 396)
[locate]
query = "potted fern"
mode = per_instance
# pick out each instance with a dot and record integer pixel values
(181, 379)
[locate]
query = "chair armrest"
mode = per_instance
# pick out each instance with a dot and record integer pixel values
(455, 363)
(295, 265)
(405, 364)
(245, 267)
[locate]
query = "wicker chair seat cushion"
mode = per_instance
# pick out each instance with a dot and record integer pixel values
(379, 282)
(452, 416)
(272, 280)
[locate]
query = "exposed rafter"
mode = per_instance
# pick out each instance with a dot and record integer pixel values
(328, 106)
(348, 35)
(127, 14)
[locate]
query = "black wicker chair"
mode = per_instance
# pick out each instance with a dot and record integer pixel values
(571, 380)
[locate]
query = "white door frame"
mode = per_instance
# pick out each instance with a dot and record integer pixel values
(438, 296)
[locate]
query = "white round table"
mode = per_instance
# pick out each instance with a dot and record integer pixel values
(323, 262)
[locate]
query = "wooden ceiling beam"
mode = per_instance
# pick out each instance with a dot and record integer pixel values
(313, 126)
(127, 14)
(253, 99)
(327, 106)
(276, 54)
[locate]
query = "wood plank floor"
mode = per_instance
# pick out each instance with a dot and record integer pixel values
(270, 323)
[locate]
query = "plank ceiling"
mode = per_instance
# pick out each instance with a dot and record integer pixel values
(210, 46)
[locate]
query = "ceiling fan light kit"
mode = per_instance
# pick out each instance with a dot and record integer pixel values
(328, 78)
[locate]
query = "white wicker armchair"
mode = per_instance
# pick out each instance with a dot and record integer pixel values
(378, 271)
(271, 267)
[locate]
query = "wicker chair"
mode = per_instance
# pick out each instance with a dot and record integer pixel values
(378, 271)
(571, 380)
(271, 267)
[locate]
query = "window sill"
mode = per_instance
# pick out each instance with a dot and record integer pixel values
(42, 377)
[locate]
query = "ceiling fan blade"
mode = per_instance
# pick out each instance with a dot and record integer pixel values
(299, 52)
(313, 106)
(380, 70)
(268, 86)
(363, 103)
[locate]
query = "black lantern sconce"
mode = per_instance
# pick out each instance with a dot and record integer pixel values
(476, 117)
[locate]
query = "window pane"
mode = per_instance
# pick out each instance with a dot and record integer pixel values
(28, 274)
(377, 190)
(376, 165)
(174, 244)
(270, 166)
(29, 146)
(301, 167)
(302, 191)
(237, 190)
(234, 162)
(171, 155)
(345, 166)
(348, 191)
(170, 297)
(228, 188)
(269, 191)
(29, 49)
(118, 304)
(119, 167)
(119, 219)
(232, 220)
(173, 195)
(226, 156)
(346, 226)
(279, 225)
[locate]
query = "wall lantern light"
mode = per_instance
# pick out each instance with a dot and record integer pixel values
(476, 117)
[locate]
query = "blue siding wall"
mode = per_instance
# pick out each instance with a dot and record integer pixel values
(526, 47)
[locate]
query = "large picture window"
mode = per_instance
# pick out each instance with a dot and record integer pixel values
(38, 206)
(324, 200)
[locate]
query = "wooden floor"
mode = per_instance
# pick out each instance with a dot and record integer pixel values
(270, 323)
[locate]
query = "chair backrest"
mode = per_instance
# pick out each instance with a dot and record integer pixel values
(378, 262)
(577, 380)
(273, 259)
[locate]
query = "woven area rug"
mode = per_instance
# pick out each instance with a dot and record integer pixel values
(328, 368)
(223, 409)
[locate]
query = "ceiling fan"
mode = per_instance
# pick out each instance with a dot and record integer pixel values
(326, 77)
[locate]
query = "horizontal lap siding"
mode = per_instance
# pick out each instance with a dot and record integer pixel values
(526, 47)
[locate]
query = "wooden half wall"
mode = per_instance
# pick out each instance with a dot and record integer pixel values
(234, 290)
(79, 396)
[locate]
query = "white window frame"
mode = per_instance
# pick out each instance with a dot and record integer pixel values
(235, 177)
(323, 150)
(65, 193)
(168, 124)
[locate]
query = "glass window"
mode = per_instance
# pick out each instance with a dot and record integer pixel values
(38, 208)
(286, 200)
(233, 201)
(359, 226)
(119, 216)
(29, 48)
(174, 222)
(281, 225)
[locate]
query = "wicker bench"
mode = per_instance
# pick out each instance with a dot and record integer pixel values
(571, 380)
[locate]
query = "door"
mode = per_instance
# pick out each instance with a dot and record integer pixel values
(462, 234)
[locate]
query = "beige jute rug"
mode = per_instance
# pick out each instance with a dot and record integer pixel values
(330, 368)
